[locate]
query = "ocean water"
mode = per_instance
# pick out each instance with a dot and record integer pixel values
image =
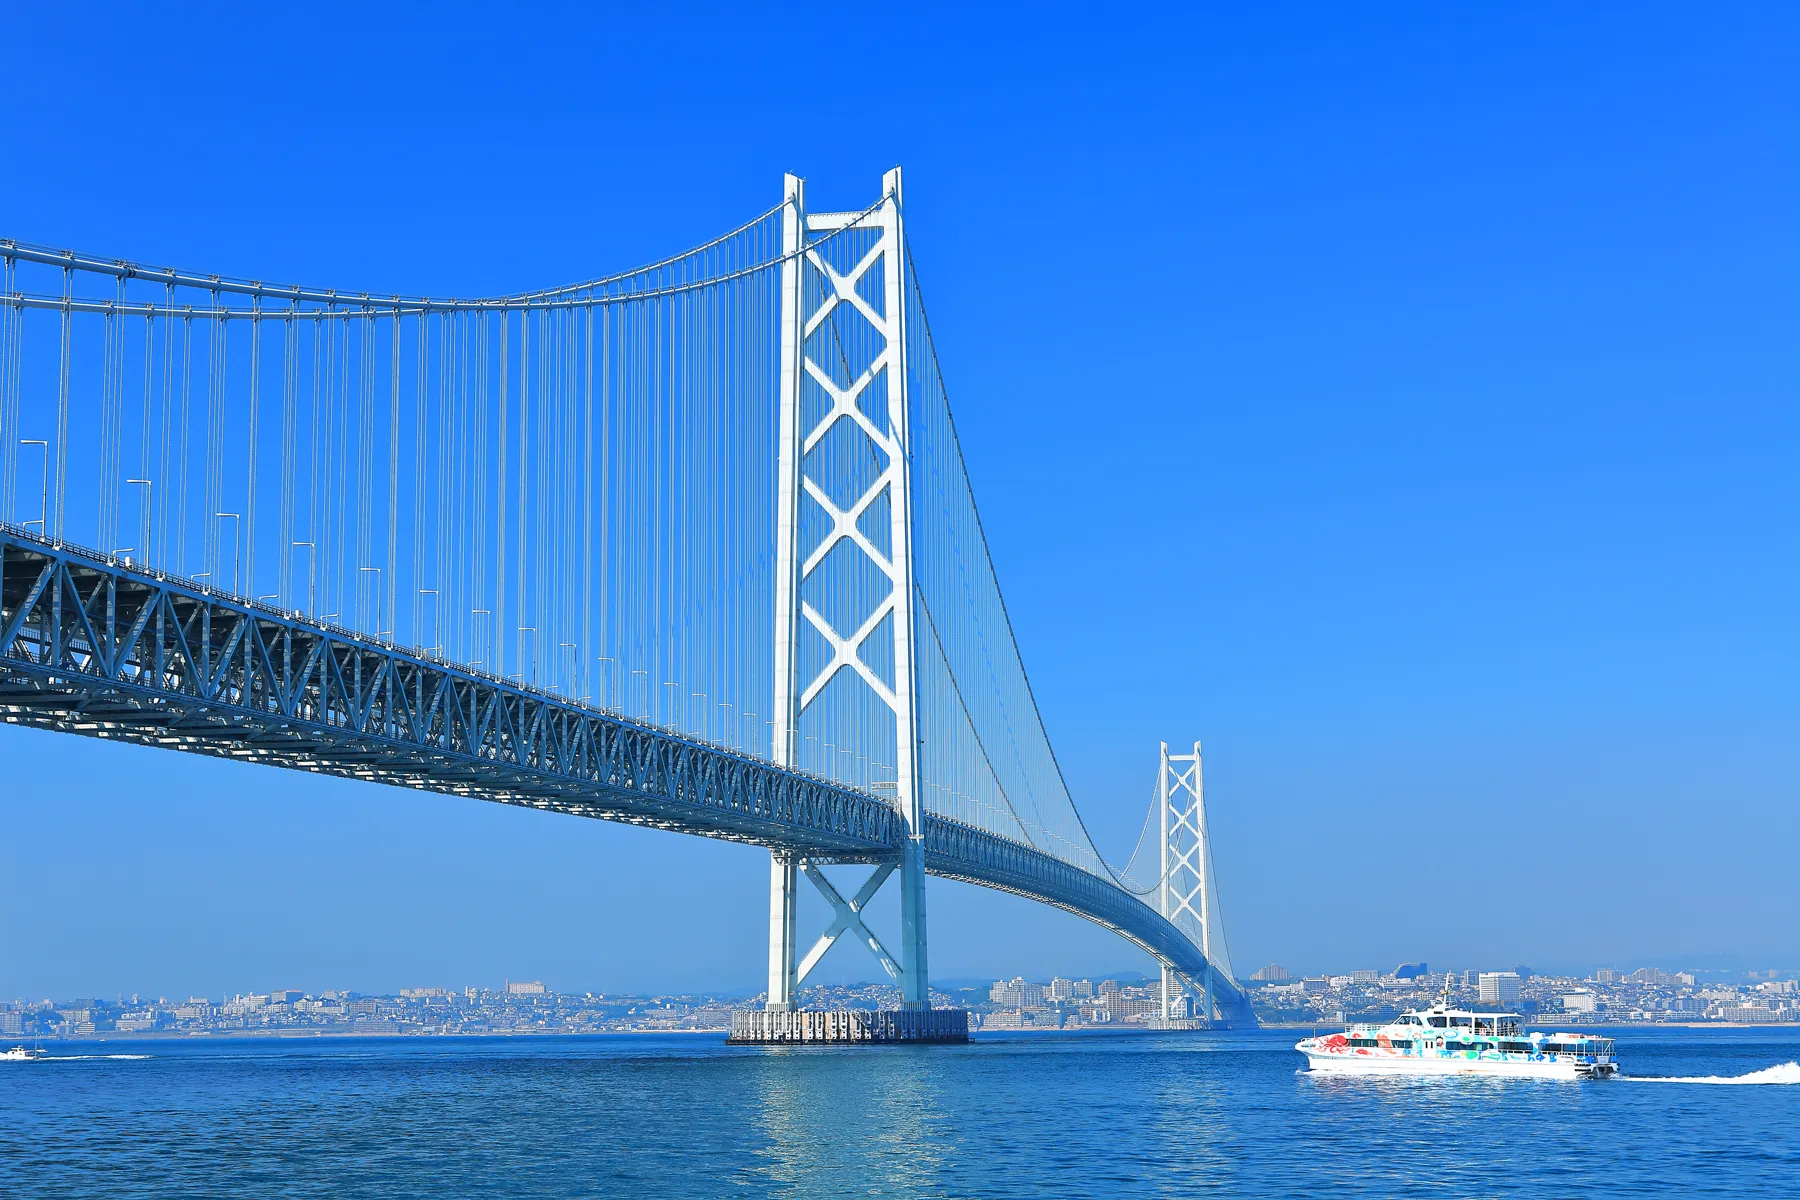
(1035, 1115)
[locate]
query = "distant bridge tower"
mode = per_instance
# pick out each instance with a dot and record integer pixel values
(844, 650)
(1185, 894)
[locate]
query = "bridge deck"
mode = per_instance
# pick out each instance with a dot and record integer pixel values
(94, 646)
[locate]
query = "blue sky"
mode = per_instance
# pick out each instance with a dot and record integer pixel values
(1402, 401)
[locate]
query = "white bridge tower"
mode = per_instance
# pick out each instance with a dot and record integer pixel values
(844, 567)
(1185, 895)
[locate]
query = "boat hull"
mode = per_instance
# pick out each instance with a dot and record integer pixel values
(1412, 1064)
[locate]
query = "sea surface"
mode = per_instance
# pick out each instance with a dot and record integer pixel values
(1038, 1115)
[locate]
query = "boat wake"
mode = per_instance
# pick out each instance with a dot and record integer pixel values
(90, 1057)
(1785, 1073)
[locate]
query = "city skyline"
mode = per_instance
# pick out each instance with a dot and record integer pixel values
(1646, 995)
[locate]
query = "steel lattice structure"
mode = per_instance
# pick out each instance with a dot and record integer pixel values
(588, 478)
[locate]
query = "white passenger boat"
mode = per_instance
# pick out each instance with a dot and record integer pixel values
(20, 1054)
(1442, 1040)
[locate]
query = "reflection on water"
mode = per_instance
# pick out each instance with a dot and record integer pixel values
(882, 1122)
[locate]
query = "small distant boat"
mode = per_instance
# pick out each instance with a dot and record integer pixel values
(21, 1054)
(1442, 1040)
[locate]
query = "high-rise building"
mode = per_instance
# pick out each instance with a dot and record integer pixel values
(1365, 976)
(516, 987)
(1499, 987)
(1273, 973)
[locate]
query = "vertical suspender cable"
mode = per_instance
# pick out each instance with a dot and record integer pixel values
(163, 478)
(11, 345)
(500, 471)
(525, 671)
(284, 546)
(183, 441)
(62, 407)
(392, 574)
(250, 456)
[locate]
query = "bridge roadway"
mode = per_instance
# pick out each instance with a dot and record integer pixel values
(96, 646)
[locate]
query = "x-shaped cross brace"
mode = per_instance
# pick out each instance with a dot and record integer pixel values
(848, 919)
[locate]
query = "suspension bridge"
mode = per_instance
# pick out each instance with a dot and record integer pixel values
(691, 546)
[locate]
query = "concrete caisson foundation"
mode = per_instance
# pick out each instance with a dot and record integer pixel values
(761, 1028)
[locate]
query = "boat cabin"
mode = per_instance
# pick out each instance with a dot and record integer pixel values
(1493, 1024)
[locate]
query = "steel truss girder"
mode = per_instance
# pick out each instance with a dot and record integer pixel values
(88, 645)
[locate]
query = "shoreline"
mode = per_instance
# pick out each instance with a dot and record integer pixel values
(183, 1035)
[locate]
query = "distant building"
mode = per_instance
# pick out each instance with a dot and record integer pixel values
(1315, 985)
(518, 988)
(1499, 987)
(1607, 975)
(1365, 976)
(1273, 973)
(286, 995)
(1138, 1010)
(1651, 977)
(1578, 1002)
(1411, 970)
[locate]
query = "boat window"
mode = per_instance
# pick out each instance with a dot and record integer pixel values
(1437, 1022)
(1401, 1043)
(1361, 1041)
(1456, 1045)
(1464, 1022)
(1517, 1047)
